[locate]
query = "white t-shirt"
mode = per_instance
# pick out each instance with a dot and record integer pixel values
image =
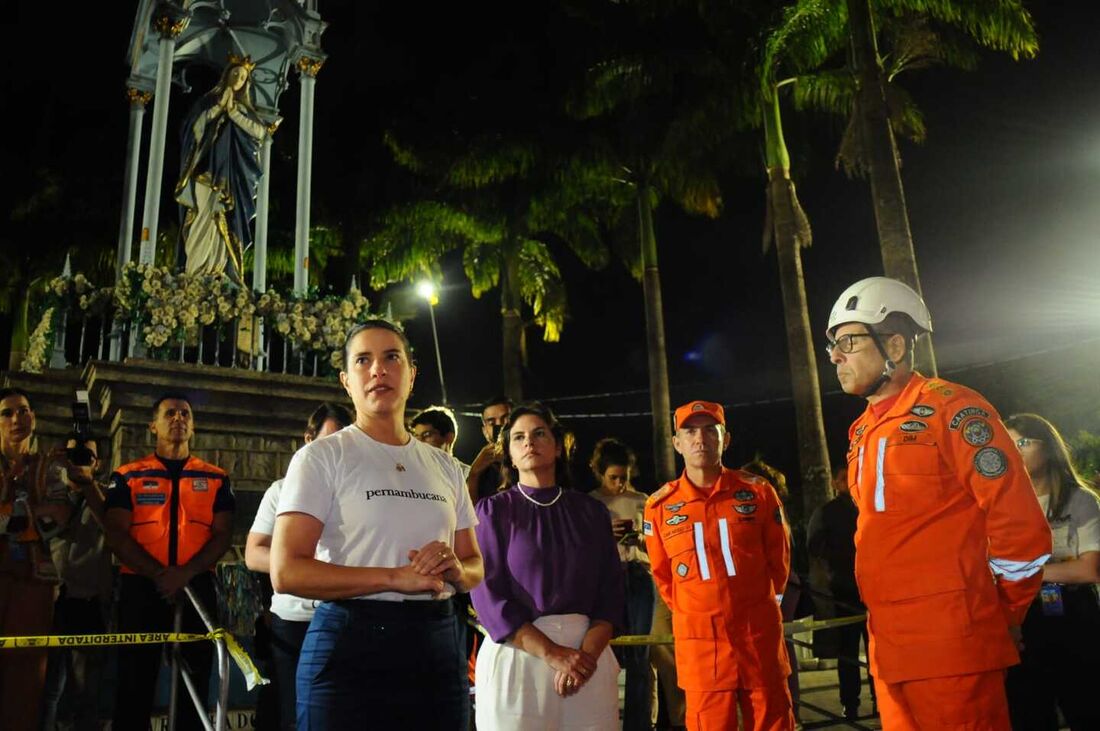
(285, 606)
(376, 501)
(1079, 531)
(628, 504)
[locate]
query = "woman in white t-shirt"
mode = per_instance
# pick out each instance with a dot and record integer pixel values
(290, 615)
(379, 526)
(1060, 660)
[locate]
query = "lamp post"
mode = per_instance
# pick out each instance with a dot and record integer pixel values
(427, 290)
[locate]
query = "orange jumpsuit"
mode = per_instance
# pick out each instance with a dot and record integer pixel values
(719, 558)
(950, 543)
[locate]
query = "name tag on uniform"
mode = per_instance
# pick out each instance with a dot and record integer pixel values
(158, 498)
(1051, 598)
(199, 485)
(149, 484)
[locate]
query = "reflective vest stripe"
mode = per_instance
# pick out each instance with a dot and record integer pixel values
(724, 532)
(880, 479)
(1016, 570)
(701, 552)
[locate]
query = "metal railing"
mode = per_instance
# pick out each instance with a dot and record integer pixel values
(221, 713)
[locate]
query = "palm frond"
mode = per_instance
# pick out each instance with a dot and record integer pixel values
(1000, 25)
(831, 91)
(808, 33)
(541, 287)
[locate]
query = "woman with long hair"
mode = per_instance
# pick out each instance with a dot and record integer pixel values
(1060, 660)
(552, 594)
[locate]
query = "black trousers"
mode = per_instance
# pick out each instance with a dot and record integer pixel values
(286, 647)
(1059, 666)
(141, 609)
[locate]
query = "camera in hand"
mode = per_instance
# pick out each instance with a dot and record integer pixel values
(79, 454)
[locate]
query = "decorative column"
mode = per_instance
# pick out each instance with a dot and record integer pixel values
(138, 99)
(308, 68)
(169, 25)
(259, 252)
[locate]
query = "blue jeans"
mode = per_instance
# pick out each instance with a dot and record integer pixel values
(382, 665)
(637, 705)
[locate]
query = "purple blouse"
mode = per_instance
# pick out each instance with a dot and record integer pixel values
(558, 559)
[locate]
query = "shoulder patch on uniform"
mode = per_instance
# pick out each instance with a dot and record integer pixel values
(676, 520)
(199, 485)
(682, 570)
(913, 425)
(922, 410)
(745, 509)
(990, 462)
(662, 492)
(963, 414)
(647, 528)
(675, 507)
(149, 484)
(744, 495)
(977, 432)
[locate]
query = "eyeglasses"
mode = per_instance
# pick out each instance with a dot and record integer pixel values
(1027, 441)
(426, 434)
(847, 343)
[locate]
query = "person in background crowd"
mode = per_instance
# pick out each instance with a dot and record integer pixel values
(944, 500)
(35, 505)
(553, 591)
(720, 551)
(379, 527)
(613, 465)
(169, 519)
(831, 539)
(791, 595)
(436, 426)
(290, 615)
(1060, 661)
(484, 478)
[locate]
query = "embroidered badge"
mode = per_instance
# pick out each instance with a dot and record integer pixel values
(744, 495)
(156, 498)
(914, 425)
(977, 432)
(990, 462)
(682, 570)
(922, 410)
(647, 528)
(199, 485)
(745, 509)
(964, 414)
(149, 484)
(676, 520)
(674, 507)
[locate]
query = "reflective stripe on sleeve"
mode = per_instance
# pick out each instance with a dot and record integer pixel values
(724, 533)
(1016, 570)
(859, 469)
(880, 479)
(701, 553)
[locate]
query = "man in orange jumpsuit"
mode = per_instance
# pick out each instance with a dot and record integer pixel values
(950, 540)
(720, 551)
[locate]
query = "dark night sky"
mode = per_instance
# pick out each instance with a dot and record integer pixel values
(1003, 201)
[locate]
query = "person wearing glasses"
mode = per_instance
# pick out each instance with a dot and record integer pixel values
(950, 540)
(436, 426)
(1061, 655)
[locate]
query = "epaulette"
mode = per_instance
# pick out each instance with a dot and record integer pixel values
(659, 495)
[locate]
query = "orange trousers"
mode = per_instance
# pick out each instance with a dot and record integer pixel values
(26, 609)
(763, 709)
(959, 702)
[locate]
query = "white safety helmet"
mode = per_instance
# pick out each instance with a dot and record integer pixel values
(870, 300)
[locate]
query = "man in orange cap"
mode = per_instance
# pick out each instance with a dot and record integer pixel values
(720, 552)
(950, 539)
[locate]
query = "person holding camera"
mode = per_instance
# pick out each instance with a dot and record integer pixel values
(613, 464)
(169, 519)
(484, 478)
(35, 506)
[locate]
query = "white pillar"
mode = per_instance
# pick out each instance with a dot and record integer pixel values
(169, 29)
(138, 100)
(259, 253)
(308, 68)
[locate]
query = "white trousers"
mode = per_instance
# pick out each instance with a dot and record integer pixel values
(515, 690)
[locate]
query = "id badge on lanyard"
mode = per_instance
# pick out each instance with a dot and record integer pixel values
(1051, 597)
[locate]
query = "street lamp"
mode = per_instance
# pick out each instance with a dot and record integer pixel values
(427, 290)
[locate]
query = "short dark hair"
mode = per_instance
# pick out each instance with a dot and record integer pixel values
(378, 323)
(171, 396)
(10, 391)
(328, 410)
(899, 323)
(495, 401)
(437, 417)
(509, 474)
(611, 452)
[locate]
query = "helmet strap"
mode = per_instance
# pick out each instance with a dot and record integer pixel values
(888, 367)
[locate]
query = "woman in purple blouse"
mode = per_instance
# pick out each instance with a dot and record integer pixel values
(552, 595)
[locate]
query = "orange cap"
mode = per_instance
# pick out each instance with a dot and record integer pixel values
(699, 407)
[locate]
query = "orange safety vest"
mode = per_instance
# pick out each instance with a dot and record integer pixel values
(950, 539)
(719, 559)
(172, 522)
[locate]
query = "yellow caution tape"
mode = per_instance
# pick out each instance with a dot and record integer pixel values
(252, 676)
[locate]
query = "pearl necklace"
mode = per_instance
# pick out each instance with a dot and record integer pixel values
(536, 502)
